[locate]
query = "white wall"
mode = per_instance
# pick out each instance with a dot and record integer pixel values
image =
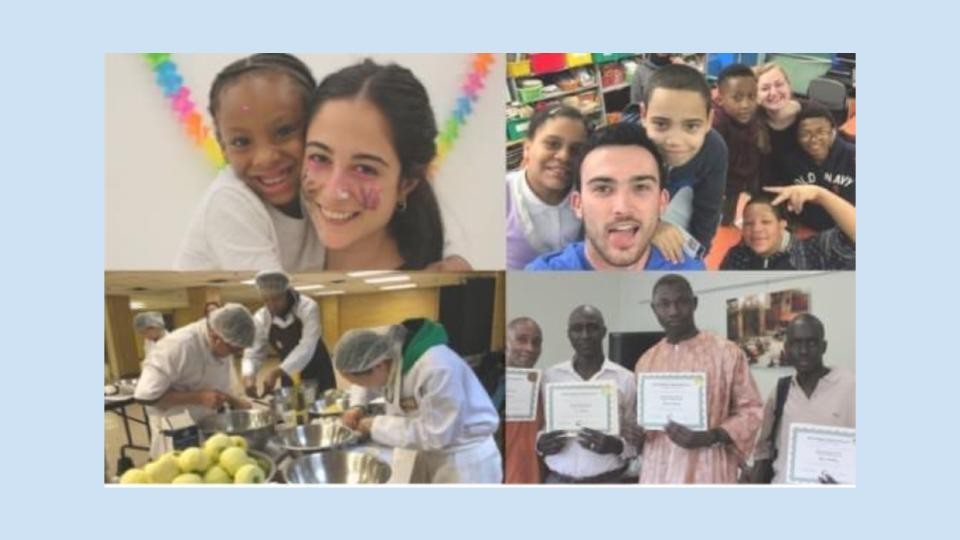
(624, 299)
(155, 176)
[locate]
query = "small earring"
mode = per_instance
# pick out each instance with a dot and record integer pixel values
(402, 206)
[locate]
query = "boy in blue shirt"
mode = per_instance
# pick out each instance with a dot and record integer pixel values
(677, 116)
(617, 192)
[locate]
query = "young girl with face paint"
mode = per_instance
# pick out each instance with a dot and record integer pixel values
(251, 217)
(370, 141)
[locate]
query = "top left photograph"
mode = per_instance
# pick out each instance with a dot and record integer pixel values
(304, 162)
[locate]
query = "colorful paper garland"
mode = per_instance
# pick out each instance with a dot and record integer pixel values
(169, 79)
(470, 92)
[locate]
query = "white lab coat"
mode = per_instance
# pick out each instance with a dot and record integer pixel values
(304, 309)
(183, 361)
(232, 229)
(440, 410)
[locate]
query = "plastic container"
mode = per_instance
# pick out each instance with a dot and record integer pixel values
(578, 59)
(517, 128)
(519, 68)
(530, 90)
(548, 62)
(606, 58)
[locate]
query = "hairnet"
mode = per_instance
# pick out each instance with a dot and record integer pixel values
(361, 349)
(272, 281)
(148, 319)
(234, 324)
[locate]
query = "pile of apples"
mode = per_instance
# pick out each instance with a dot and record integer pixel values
(222, 459)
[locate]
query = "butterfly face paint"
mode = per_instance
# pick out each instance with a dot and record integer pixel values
(341, 186)
(351, 176)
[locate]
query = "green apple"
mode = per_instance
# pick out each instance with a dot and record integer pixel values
(135, 476)
(216, 444)
(189, 478)
(239, 441)
(193, 460)
(216, 475)
(163, 470)
(233, 458)
(212, 454)
(249, 474)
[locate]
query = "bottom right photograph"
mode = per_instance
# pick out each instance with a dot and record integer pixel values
(684, 378)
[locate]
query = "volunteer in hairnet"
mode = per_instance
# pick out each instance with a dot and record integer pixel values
(189, 370)
(150, 325)
(435, 404)
(289, 322)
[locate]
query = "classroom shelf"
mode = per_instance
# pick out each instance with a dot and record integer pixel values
(564, 94)
(597, 114)
(615, 87)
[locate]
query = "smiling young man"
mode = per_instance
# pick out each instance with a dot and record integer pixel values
(619, 196)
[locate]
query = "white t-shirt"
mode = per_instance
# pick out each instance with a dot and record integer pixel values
(232, 229)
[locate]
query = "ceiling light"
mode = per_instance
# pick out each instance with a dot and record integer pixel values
(389, 279)
(309, 287)
(367, 273)
(398, 287)
(328, 293)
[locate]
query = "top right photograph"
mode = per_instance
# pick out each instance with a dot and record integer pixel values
(681, 161)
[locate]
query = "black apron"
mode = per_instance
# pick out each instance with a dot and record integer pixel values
(318, 369)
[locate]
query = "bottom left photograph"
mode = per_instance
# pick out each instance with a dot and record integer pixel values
(319, 378)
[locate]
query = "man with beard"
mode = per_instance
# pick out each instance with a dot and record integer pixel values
(619, 195)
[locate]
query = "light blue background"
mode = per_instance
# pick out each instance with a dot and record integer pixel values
(52, 133)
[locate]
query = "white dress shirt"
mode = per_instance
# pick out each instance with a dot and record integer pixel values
(574, 460)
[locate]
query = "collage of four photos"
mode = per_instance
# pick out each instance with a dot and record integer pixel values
(321, 276)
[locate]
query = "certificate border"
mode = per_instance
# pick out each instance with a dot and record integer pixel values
(532, 415)
(792, 450)
(614, 394)
(702, 425)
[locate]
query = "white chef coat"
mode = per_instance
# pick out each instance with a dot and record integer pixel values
(439, 409)
(232, 229)
(183, 361)
(574, 460)
(305, 309)
(149, 344)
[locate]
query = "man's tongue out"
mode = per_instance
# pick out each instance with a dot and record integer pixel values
(623, 236)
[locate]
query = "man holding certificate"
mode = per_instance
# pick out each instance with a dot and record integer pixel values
(524, 411)
(586, 400)
(698, 406)
(813, 438)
